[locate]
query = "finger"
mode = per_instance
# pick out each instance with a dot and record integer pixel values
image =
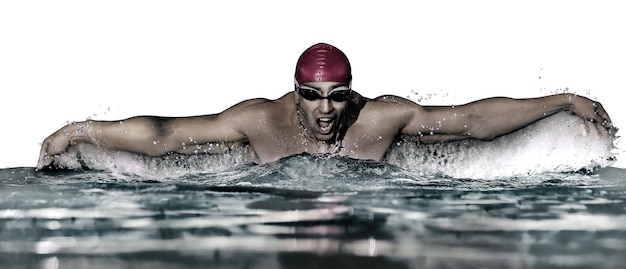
(44, 163)
(608, 126)
(606, 120)
(47, 154)
(603, 117)
(44, 158)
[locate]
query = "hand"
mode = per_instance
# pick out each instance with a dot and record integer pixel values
(58, 143)
(592, 111)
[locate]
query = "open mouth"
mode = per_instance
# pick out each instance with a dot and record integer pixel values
(326, 125)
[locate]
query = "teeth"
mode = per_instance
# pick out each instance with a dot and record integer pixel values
(326, 119)
(325, 124)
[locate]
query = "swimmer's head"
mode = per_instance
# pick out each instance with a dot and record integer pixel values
(323, 62)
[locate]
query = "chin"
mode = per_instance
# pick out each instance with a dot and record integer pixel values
(325, 137)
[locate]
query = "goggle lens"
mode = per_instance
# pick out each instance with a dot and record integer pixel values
(336, 96)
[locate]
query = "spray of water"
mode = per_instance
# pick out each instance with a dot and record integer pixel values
(560, 143)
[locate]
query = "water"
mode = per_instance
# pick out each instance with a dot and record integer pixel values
(499, 204)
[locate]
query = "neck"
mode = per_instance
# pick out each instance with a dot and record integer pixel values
(311, 143)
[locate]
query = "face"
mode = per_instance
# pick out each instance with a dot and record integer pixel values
(321, 105)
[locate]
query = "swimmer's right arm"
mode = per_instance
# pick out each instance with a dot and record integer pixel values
(148, 135)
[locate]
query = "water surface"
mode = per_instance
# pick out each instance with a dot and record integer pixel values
(534, 199)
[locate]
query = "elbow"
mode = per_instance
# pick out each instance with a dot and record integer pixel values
(147, 144)
(159, 138)
(477, 127)
(482, 134)
(159, 146)
(486, 126)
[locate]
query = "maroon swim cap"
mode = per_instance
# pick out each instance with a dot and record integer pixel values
(323, 62)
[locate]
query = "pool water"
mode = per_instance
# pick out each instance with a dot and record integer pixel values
(89, 219)
(499, 204)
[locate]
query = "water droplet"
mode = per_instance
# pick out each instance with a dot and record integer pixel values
(155, 142)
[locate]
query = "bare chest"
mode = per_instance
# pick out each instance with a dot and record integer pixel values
(359, 142)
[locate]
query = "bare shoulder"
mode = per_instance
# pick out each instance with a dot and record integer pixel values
(251, 113)
(393, 99)
(260, 105)
(393, 110)
(392, 103)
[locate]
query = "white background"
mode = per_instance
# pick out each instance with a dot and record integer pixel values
(64, 61)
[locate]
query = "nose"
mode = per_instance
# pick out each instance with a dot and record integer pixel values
(326, 106)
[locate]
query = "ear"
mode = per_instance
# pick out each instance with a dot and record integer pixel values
(295, 90)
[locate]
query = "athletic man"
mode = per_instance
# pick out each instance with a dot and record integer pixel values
(323, 115)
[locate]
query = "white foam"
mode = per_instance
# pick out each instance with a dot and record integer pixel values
(560, 143)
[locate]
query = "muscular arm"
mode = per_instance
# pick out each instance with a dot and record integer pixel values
(150, 135)
(489, 118)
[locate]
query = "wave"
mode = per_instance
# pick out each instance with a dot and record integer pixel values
(559, 143)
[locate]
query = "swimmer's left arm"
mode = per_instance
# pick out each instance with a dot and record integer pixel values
(489, 118)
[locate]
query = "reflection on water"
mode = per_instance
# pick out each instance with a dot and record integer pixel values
(376, 217)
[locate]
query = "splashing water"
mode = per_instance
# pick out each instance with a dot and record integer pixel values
(560, 143)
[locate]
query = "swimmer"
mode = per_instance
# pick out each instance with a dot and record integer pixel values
(322, 115)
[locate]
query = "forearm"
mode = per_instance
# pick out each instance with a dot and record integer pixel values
(490, 118)
(158, 136)
(146, 135)
(129, 135)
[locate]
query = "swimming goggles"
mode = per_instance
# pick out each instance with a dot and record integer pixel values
(335, 96)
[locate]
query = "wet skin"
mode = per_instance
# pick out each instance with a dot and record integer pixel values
(359, 127)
